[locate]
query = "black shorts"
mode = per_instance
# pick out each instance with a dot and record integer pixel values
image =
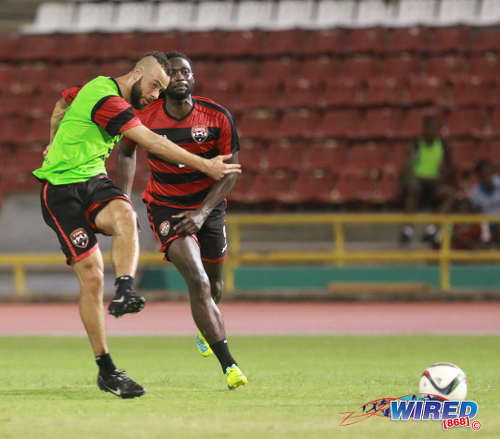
(211, 238)
(70, 210)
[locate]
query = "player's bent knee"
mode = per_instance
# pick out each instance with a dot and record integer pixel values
(199, 285)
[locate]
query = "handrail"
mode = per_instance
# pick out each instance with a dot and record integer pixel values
(338, 254)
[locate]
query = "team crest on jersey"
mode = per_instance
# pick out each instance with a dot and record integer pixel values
(164, 228)
(79, 238)
(199, 134)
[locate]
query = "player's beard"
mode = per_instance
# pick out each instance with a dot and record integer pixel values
(179, 95)
(136, 95)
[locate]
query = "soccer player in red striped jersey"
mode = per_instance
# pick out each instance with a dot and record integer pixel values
(186, 208)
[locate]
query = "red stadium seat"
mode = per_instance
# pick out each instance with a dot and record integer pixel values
(301, 93)
(380, 123)
(30, 79)
(114, 68)
(270, 188)
(19, 175)
(340, 123)
(258, 124)
(223, 92)
(407, 39)
(20, 105)
(425, 90)
(243, 189)
(38, 133)
(360, 68)
(447, 39)
(284, 154)
(236, 71)
(383, 91)
(10, 47)
(252, 154)
(80, 47)
(14, 130)
(164, 41)
(203, 43)
(445, 67)
(366, 40)
(469, 91)
(242, 43)
(301, 123)
(364, 160)
(389, 189)
(278, 68)
(328, 42)
(42, 48)
(341, 92)
(284, 42)
(489, 150)
(318, 69)
(7, 73)
(411, 124)
(486, 66)
(484, 40)
(329, 156)
(260, 93)
(204, 71)
(356, 188)
(69, 75)
(494, 128)
(395, 156)
(401, 66)
(312, 187)
(464, 154)
(494, 98)
(465, 122)
(120, 45)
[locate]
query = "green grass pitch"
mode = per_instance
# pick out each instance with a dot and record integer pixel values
(297, 387)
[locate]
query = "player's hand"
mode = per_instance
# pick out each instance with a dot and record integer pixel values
(191, 222)
(46, 150)
(217, 169)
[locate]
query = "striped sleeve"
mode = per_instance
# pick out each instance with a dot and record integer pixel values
(115, 115)
(69, 94)
(229, 139)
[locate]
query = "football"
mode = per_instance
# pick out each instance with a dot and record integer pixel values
(444, 379)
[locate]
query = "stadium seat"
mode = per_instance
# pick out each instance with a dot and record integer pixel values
(203, 43)
(204, 71)
(80, 47)
(243, 189)
(94, 17)
(425, 90)
(120, 45)
(332, 13)
(416, 12)
(214, 15)
(326, 155)
(456, 12)
(260, 93)
(7, 73)
(30, 79)
(359, 67)
(469, 91)
(364, 160)
(299, 123)
(270, 188)
(114, 68)
(38, 133)
(280, 68)
(301, 93)
(465, 154)
(341, 92)
(379, 123)
(445, 67)
(42, 48)
(327, 42)
(411, 123)
(241, 43)
(51, 18)
(494, 98)
(340, 123)
(395, 156)
(13, 130)
(447, 39)
(284, 42)
(389, 189)
(401, 66)
(489, 13)
(318, 69)
(258, 124)
(223, 92)
(10, 47)
(366, 40)
(486, 66)
(312, 187)
(131, 16)
(173, 15)
(489, 150)
(19, 175)
(294, 14)
(465, 122)
(375, 13)
(383, 91)
(254, 14)
(355, 188)
(284, 154)
(406, 39)
(16, 105)
(252, 155)
(236, 71)
(494, 128)
(484, 40)
(71, 74)
(164, 41)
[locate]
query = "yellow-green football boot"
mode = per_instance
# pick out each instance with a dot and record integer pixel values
(235, 377)
(202, 345)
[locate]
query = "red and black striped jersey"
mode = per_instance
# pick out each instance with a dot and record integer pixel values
(207, 130)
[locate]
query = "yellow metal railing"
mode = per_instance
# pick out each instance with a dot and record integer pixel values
(338, 254)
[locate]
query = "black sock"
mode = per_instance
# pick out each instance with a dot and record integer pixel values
(105, 363)
(124, 283)
(222, 352)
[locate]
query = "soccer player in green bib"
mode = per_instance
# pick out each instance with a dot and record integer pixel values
(79, 200)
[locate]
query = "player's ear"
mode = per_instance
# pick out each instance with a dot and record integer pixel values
(138, 73)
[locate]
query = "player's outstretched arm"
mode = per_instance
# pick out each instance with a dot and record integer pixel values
(126, 166)
(169, 151)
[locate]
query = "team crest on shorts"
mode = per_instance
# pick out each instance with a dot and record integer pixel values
(199, 134)
(79, 238)
(164, 228)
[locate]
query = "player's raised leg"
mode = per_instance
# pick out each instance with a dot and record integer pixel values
(185, 255)
(119, 220)
(89, 272)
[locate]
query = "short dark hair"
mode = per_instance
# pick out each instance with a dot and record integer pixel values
(175, 54)
(162, 59)
(483, 164)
